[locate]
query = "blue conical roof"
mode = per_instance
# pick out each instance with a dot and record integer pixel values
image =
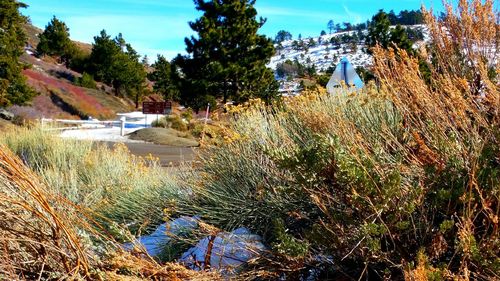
(344, 72)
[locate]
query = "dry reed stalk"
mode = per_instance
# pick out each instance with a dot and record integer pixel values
(125, 266)
(39, 236)
(35, 235)
(455, 115)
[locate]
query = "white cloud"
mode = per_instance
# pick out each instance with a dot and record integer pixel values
(354, 17)
(268, 11)
(161, 3)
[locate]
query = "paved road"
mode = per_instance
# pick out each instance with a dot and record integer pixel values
(168, 155)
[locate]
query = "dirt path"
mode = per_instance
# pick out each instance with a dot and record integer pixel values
(168, 155)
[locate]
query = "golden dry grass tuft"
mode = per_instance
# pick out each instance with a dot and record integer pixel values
(38, 239)
(44, 236)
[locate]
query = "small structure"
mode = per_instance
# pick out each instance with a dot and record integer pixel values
(344, 74)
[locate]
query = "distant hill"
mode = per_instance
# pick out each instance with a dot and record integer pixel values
(59, 97)
(324, 54)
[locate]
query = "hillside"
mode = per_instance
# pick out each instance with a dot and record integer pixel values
(59, 97)
(32, 38)
(323, 55)
(326, 52)
(31, 34)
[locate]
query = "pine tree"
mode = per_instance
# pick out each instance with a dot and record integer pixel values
(101, 58)
(55, 41)
(282, 35)
(145, 61)
(393, 19)
(13, 88)
(115, 62)
(228, 58)
(399, 37)
(331, 26)
(162, 78)
(379, 30)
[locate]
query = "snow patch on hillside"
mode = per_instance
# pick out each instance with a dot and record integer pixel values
(325, 54)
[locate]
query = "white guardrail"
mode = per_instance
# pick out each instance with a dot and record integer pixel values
(87, 124)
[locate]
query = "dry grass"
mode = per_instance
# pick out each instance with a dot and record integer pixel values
(38, 239)
(125, 266)
(455, 119)
(124, 188)
(44, 236)
(5, 125)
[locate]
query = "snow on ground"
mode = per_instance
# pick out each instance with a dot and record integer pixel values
(322, 55)
(96, 130)
(105, 134)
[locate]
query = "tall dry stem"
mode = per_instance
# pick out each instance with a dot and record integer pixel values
(37, 237)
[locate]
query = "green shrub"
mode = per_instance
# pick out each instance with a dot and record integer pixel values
(177, 123)
(286, 244)
(86, 81)
(187, 114)
(344, 176)
(172, 121)
(197, 129)
(160, 123)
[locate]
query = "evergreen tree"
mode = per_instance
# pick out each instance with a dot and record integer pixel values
(399, 37)
(128, 73)
(13, 88)
(347, 26)
(162, 78)
(331, 26)
(379, 30)
(115, 62)
(337, 27)
(228, 58)
(282, 35)
(55, 41)
(412, 17)
(393, 19)
(104, 50)
(145, 61)
(311, 43)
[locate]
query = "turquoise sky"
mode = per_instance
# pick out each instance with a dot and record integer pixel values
(159, 26)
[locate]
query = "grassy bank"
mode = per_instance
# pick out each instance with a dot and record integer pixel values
(125, 189)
